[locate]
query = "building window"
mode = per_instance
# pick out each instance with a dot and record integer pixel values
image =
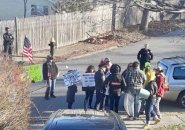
(37, 10)
(179, 73)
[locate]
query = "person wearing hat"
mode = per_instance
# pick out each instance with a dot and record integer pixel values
(144, 55)
(149, 72)
(8, 43)
(161, 82)
(50, 72)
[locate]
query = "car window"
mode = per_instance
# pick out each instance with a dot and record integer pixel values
(179, 73)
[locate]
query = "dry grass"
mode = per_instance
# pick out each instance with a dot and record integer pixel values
(14, 97)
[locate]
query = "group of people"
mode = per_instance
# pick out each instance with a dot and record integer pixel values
(110, 83)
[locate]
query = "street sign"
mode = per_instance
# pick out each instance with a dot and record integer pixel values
(72, 77)
(88, 80)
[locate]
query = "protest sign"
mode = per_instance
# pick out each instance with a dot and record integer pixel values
(88, 80)
(34, 72)
(72, 77)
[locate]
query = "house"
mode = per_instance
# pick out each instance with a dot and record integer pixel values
(9, 9)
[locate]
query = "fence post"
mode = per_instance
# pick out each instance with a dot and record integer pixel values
(113, 17)
(16, 35)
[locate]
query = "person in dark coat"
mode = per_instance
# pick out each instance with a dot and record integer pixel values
(100, 91)
(144, 55)
(71, 95)
(149, 111)
(89, 90)
(50, 72)
(116, 86)
(8, 43)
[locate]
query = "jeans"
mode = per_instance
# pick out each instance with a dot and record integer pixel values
(149, 111)
(143, 104)
(156, 106)
(50, 88)
(88, 98)
(114, 102)
(70, 105)
(100, 100)
(107, 98)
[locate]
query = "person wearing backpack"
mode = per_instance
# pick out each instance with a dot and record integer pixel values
(116, 86)
(160, 80)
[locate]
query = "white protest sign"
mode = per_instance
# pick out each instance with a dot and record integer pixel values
(88, 80)
(72, 77)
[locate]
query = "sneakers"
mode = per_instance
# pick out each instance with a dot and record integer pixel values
(52, 96)
(146, 126)
(47, 98)
(157, 120)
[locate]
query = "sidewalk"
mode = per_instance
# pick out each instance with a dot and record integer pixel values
(168, 119)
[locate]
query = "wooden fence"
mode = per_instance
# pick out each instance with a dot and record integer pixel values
(70, 28)
(66, 28)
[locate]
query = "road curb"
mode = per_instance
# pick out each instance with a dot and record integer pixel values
(92, 53)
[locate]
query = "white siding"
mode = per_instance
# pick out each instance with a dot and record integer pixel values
(9, 9)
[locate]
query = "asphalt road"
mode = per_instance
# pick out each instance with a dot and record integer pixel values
(166, 46)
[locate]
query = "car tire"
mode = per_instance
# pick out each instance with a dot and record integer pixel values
(181, 100)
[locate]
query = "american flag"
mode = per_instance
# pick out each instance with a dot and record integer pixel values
(27, 49)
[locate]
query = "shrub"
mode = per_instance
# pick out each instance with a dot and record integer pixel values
(14, 97)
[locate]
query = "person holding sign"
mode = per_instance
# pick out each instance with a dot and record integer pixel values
(89, 90)
(50, 72)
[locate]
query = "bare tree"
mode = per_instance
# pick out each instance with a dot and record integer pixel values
(158, 6)
(25, 7)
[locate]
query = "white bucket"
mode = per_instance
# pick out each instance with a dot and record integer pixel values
(144, 93)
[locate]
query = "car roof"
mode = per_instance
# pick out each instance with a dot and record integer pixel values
(173, 60)
(79, 119)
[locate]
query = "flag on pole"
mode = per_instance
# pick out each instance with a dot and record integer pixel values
(27, 49)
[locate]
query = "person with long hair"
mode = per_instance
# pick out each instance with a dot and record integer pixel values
(89, 90)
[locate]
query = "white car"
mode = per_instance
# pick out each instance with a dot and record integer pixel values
(174, 69)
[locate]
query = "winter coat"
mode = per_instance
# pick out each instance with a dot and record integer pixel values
(152, 88)
(135, 79)
(71, 93)
(99, 79)
(116, 83)
(160, 80)
(50, 70)
(145, 55)
(8, 39)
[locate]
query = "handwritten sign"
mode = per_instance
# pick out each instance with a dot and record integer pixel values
(72, 77)
(34, 72)
(88, 80)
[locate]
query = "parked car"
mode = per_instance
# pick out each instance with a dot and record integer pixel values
(174, 69)
(78, 119)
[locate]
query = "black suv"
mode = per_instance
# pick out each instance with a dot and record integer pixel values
(79, 119)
